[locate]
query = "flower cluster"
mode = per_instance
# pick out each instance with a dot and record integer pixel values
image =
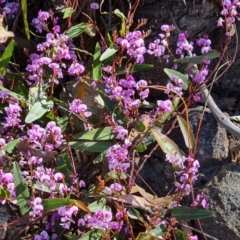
(229, 15)
(200, 200)
(55, 54)
(124, 92)
(79, 108)
(183, 45)
(187, 173)
(66, 214)
(50, 180)
(50, 137)
(7, 182)
(43, 235)
(13, 114)
(40, 23)
(164, 106)
(134, 44)
(37, 207)
(158, 47)
(117, 156)
(102, 219)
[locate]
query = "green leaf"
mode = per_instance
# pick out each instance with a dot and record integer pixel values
(99, 204)
(123, 20)
(190, 143)
(68, 12)
(172, 73)
(166, 144)
(139, 125)
(76, 30)
(180, 235)
(25, 21)
(135, 214)
(190, 213)
(62, 122)
(97, 66)
(71, 236)
(38, 109)
(159, 231)
(135, 68)
(199, 59)
(100, 157)
(22, 193)
(141, 147)
(41, 187)
(4, 193)
(21, 89)
(95, 234)
(5, 59)
(146, 236)
(98, 134)
(11, 146)
(55, 203)
(64, 166)
(91, 146)
(109, 53)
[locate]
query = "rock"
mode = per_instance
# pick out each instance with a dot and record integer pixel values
(212, 142)
(224, 193)
(90, 97)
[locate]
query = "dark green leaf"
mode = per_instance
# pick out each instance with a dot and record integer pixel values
(22, 193)
(62, 122)
(135, 214)
(71, 237)
(20, 89)
(97, 66)
(4, 61)
(190, 213)
(139, 125)
(13, 94)
(91, 146)
(180, 235)
(123, 19)
(64, 166)
(76, 30)
(135, 68)
(199, 59)
(98, 134)
(55, 203)
(172, 73)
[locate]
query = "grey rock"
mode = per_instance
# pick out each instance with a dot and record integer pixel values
(213, 142)
(224, 193)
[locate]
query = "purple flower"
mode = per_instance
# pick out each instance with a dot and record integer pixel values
(164, 106)
(76, 69)
(94, 6)
(42, 236)
(78, 107)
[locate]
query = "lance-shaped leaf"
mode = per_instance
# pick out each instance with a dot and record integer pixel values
(166, 144)
(97, 65)
(109, 53)
(190, 213)
(21, 188)
(189, 138)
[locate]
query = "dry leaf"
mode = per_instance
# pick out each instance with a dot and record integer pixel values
(4, 35)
